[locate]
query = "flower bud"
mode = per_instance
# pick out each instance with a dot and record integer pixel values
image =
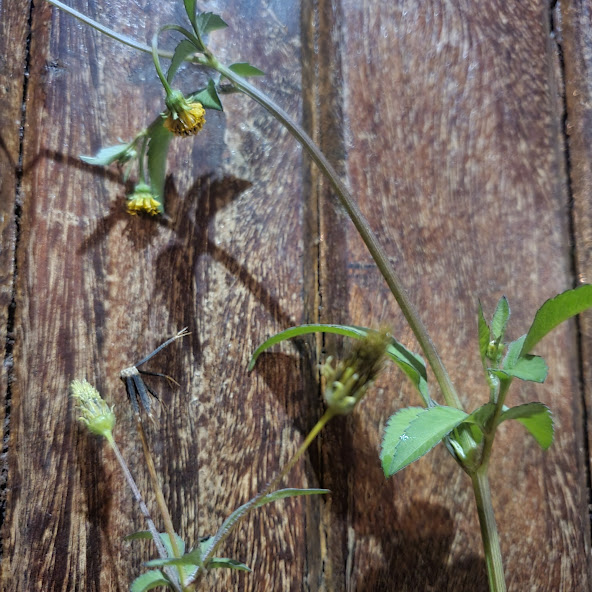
(96, 414)
(348, 382)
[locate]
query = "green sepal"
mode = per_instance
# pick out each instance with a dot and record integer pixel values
(208, 97)
(536, 418)
(245, 69)
(411, 364)
(108, 155)
(149, 580)
(412, 432)
(159, 139)
(206, 22)
(556, 310)
(183, 49)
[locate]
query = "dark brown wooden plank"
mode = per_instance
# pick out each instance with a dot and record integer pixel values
(453, 143)
(454, 148)
(574, 33)
(98, 290)
(14, 28)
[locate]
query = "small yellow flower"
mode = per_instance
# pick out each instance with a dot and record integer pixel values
(142, 201)
(96, 414)
(348, 382)
(181, 117)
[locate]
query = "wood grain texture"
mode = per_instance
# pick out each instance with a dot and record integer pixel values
(574, 31)
(446, 119)
(454, 149)
(14, 30)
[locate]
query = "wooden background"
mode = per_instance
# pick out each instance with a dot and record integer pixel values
(465, 131)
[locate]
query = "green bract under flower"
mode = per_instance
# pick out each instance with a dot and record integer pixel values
(349, 381)
(95, 413)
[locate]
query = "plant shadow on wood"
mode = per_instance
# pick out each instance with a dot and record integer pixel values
(414, 561)
(416, 547)
(414, 536)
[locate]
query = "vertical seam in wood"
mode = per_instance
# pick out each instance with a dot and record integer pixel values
(10, 320)
(315, 550)
(571, 214)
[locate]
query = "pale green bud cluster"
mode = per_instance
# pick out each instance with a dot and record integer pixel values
(95, 413)
(348, 382)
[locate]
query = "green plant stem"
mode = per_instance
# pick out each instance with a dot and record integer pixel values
(361, 224)
(156, 60)
(164, 511)
(227, 528)
(138, 496)
(489, 534)
(411, 315)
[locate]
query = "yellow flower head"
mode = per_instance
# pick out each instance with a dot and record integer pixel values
(142, 201)
(95, 413)
(348, 382)
(181, 117)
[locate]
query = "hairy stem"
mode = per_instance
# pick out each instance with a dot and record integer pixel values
(489, 534)
(138, 496)
(164, 511)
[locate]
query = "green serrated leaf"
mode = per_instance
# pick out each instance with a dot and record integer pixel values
(394, 431)
(159, 139)
(411, 364)
(224, 562)
(208, 22)
(556, 310)
(481, 415)
(208, 97)
(106, 156)
(184, 48)
(536, 418)
(500, 318)
(141, 534)
(166, 541)
(149, 580)
(518, 365)
(191, 14)
(245, 69)
(271, 497)
(193, 558)
(414, 433)
(529, 367)
(513, 353)
(289, 492)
